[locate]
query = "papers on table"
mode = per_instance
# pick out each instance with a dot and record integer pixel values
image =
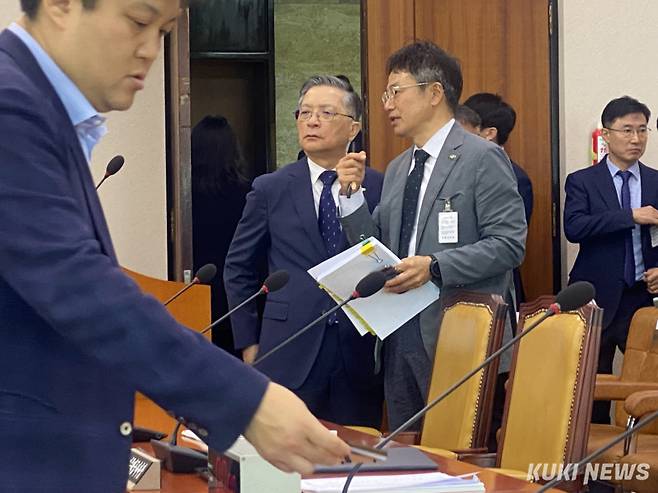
(381, 313)
(435, 482)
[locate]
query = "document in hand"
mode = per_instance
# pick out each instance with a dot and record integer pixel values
(381, 313)
(434, 482)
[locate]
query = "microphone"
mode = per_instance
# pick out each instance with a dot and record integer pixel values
(274, 282)
(113, 167)
(570, 298)
(567, 473)
(366, 287)
(203, 276)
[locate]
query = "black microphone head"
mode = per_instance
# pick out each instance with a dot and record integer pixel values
(114, 165)
(276, 280)
(370, 284)
(575, 295)
(206, 273)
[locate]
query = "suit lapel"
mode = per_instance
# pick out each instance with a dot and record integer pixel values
(606, 186)
(444, 165)
(401, 172)
(24, 58)
(299, 188)
(648, 185)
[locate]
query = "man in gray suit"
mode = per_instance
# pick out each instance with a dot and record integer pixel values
(449, 209)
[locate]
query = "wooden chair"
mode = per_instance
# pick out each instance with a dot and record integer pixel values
(191, 309)
(549, 392)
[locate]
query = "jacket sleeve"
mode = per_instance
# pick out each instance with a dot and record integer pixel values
(51, 257)
(242, 276)
(580, 223)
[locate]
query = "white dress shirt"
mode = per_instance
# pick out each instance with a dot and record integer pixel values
(316, 170)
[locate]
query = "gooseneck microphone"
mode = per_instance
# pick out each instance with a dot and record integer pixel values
(366, 287)
(570, 298)
(113, 167)
(204, 275)
(572, 470)
(274, 282)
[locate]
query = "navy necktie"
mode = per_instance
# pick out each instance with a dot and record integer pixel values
(410, 201)
(327, 217)
(629, 256)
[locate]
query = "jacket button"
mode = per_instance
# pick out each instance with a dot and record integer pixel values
(126, 428)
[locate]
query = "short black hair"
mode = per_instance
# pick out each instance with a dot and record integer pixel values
(31, 7)
(495, 112)
(464, 114)
(427, 62)
(621, 107)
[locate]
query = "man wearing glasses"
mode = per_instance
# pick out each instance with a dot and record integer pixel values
(290, 222)
(450, 210)
(609, 211)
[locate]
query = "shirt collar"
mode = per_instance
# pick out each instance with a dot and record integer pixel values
(435, 144)
(76, 104)
(614, 169)
(315, 169)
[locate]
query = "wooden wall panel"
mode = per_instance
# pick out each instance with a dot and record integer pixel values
(389, 26)
(503, 47)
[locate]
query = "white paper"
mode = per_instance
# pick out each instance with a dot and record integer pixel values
(381, 313)
(654, 236)
(435, 482)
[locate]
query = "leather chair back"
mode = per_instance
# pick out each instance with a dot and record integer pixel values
(471, 329)
(551, 388)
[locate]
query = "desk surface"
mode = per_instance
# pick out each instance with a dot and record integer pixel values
(494, 483)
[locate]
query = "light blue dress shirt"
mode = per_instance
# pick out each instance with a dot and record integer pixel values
(89, 125)
(635, 187)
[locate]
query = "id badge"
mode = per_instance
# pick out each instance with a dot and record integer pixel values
(448, 227)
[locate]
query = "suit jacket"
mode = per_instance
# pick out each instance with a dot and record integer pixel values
(78, 337)
(476, 176)
(524, 187)
(279, 224)
(594, 219)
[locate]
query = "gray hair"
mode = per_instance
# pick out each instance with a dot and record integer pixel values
(352, 101)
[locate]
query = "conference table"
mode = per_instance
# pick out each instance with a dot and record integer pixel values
(494, 483)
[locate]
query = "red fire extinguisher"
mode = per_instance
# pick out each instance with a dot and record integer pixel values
(599, 147)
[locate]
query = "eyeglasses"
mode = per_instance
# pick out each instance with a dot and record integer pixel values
(627, 133)
(392, 91)
(323, 115)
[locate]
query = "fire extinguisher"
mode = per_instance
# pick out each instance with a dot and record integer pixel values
(599, 147)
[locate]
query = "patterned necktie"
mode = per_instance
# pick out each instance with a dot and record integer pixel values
(629, 256)
(327, 217)
(410, 201)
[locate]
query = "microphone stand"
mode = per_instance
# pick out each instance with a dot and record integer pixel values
(644, 421)
(550, 312)
(185, 288)
(302, 331)
(232, 310)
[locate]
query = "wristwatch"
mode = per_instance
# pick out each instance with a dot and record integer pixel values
(435, 271)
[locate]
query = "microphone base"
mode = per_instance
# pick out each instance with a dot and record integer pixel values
(145, 435)
(178, 459)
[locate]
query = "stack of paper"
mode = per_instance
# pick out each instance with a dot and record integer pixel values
(434, 482)
(381, 313)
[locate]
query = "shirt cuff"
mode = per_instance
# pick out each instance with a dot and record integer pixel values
(351, 205)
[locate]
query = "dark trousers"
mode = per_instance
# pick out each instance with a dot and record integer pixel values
(614, 335)
(407, 371)
(332, 395)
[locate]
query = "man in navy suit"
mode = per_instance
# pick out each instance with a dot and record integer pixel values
(78, 337)
(609, 209)
(291, 222)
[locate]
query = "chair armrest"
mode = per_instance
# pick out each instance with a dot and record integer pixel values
(639, 404)
(606, 377)
(619, 390)
(480, 460)
(471, 451)
(408, 438)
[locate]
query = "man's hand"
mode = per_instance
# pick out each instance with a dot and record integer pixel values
(414, 272)
(287, 435)
(651, 278)
(249, 354)
(351, 169)
(645, 215)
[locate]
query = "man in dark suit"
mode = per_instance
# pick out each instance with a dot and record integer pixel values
(78, 337)
(291, 221)
(609, 209)
(447, 170)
